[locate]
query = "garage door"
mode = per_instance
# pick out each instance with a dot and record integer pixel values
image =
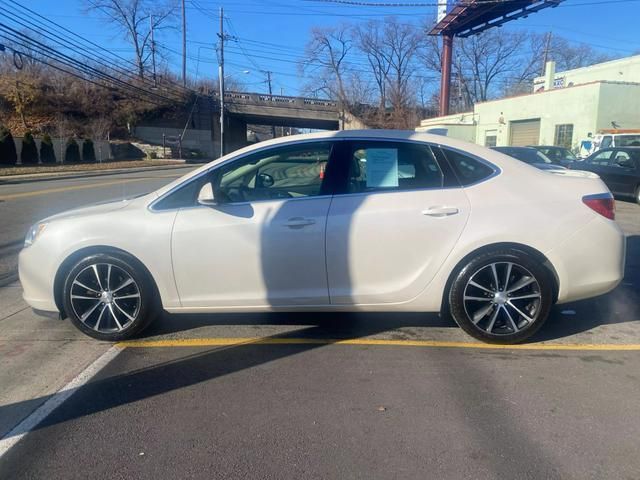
(525, 132)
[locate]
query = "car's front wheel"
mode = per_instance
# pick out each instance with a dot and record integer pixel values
(501, 296)
(109, 297)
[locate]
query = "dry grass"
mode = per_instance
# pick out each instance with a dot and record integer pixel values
(6, 170)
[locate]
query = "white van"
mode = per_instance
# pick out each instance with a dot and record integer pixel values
(607, 140)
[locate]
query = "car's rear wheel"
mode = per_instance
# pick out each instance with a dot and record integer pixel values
(502, 296)
(109, 297)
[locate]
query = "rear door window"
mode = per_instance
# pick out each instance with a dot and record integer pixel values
(387, 166)
(469, 170)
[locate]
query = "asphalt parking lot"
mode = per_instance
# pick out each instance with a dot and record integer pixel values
(330, 396)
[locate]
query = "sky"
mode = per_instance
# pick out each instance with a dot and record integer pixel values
(271, 34)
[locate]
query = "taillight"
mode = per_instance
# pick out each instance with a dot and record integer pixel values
(601, 203)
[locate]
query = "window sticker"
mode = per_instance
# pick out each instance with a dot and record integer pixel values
(382, 167)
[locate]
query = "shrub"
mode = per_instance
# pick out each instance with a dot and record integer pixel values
(7, 147)
(152, 155)
(88, 152)
(47, 153)
(29, 152)
(72, 152)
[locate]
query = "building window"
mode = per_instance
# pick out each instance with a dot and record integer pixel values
(490, 138)
(564, 135)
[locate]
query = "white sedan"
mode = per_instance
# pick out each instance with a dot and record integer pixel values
(336, 221)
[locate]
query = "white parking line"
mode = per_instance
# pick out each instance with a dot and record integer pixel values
(57, 399)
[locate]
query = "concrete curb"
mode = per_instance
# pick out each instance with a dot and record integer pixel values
(44, 177)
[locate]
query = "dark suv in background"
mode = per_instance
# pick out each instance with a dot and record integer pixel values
(618, 167)
(558, 155)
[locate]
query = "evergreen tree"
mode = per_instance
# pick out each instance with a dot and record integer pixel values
(29, 152)
(7, 147)
(88, 152)
(47, 153)
(72, 153)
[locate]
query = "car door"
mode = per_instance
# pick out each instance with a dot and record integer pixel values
(597, 163)
(263, 243)
(391, 224)
(623, 173)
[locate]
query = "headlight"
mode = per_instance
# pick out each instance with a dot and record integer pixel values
(33, 233)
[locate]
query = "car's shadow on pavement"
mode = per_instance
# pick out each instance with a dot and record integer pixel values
(327, 325)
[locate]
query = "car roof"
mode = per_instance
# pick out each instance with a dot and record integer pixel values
(547, 146)
(508, 147)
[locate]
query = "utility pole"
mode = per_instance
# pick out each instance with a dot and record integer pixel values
(445, 81)
(184, 46)
(221, 80)
(273, 127)
(546, 52)
(153, 52)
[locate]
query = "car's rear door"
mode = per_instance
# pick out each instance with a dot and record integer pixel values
(393, 222)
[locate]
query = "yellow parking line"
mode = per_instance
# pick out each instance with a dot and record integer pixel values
(48, 191)
(221, 341)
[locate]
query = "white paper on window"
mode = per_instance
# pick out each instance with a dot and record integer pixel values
(382, 167)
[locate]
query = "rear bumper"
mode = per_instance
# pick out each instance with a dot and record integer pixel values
(591, 261)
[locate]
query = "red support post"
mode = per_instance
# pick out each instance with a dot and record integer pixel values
(445, 82)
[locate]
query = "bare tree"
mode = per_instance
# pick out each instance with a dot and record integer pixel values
(326, 57)
(135, 18)
(568, 56)
(99, 128)
(63, 131)
(370, 42)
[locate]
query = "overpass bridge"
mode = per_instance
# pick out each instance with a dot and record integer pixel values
(241, 109)
(280, 110)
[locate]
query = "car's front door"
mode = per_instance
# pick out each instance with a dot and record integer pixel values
(623, 173)
(393, 225)
(263, 243)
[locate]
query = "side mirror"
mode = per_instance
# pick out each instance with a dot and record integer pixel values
(266, 180)
(205, 196)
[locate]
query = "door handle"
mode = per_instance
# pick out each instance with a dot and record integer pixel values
(440, 211)
(299, 222)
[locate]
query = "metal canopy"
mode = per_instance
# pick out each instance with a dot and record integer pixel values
(469, 17)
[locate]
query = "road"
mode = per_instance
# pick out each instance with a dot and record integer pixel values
(331, 395)
(23, 204)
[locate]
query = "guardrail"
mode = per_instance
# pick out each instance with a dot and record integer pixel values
(262, 99)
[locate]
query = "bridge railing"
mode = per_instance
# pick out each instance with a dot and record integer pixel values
(279, 100)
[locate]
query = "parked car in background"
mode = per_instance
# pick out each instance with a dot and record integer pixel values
(531, 156)
(617, 138)
(369, 220)
(558, 155)
(619, 168)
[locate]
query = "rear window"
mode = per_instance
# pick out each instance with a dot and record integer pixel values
(468, 169)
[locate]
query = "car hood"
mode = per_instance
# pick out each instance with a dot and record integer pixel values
(90, 210)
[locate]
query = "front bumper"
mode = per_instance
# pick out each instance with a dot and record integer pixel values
(37, 273)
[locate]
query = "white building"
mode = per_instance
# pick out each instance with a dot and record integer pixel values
(563, 110)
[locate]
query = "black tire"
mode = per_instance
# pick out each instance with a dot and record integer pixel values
(517, 318)
(638, 194)
(142, 303)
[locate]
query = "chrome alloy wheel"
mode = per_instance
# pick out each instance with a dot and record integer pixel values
(502, 298)
(105, 297)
